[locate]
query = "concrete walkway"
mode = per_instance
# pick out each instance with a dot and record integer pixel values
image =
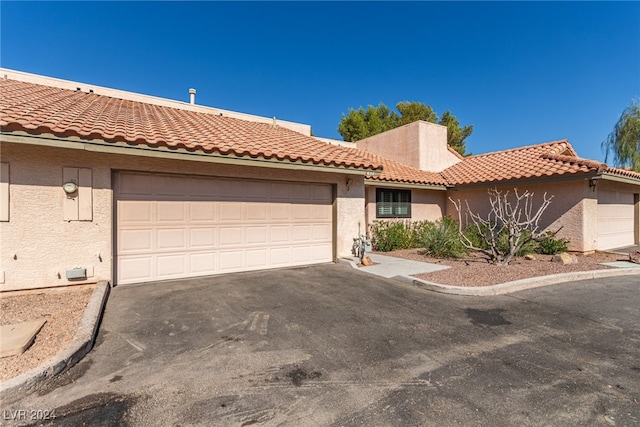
(625, 251)
(389, 267)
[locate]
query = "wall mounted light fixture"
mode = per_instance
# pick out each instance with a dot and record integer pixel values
(70, 187)
(348, 183)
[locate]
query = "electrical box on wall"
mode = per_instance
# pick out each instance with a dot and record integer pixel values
(77, 274)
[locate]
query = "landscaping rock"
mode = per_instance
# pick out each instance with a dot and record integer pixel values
(530, 257)
(366, 261)
(634, 256)
(565, 259)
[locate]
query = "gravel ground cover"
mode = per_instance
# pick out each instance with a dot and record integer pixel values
(62, 308)
(474, 270)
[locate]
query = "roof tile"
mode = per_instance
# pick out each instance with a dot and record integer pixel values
(547, 159)
(393, 171)
(63, 112)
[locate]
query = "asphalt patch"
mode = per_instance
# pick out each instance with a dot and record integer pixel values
(100, 410)
(487, 317)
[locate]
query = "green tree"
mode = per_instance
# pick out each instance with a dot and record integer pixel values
(456, 134)
(412, 111)
(363, 123)
(624, 141)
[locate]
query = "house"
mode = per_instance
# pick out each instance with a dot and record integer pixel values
(594, 206)
(101, 184)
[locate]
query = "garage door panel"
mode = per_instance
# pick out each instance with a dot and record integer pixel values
(231, 211)
(231, 260)
(135, 269)
(203, 263)
(280, 233)
(301, 192)
(131, 241)
(257, 190)
(257, 235)
(169, 266)
(301, 212)
(133, 185)
(280, 191)
(321, 232)
(202, 211)
(135, 212)
(174, 226)
(322, 251)
(301, 254)
(202, 237)
(615, 220)
(171, 239)
(280, 212)
(230, 190)
(257, 258)
(300, 233)
(230, 236)
(257, 211)
(281, 256)
(321, 212)
(171, 211)
(322, 194)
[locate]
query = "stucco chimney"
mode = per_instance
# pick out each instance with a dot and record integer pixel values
(192, 96)
(421, 145)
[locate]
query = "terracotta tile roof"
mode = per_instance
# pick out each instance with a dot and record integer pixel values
(547, 159)
(623, 172)
(62, 112)
(393, 171)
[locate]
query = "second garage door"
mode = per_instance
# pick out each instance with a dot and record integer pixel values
(615, 220)
(171, 227)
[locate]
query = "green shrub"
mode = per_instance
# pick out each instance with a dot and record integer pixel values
(390, 235)
(549, 245)
(441, 239)
(502, 245)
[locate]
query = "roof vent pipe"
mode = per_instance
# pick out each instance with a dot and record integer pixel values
(192, 96)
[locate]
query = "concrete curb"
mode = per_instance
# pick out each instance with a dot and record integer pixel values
(508, 287)
(17, 387)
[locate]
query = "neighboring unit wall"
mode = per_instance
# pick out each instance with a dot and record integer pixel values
(425, 205)
(38, 244)
(573, 207)
(421, 145)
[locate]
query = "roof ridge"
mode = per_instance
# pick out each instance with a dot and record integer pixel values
(510, 150)
(577, 160)
(163, 103)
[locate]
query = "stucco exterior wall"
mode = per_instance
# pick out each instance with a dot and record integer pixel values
(574, 208)
(421, 145)
(425, 205)
(37, 246)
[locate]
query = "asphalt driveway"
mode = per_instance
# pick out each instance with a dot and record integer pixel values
(328, 345)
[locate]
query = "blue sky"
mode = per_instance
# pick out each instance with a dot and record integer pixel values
(522, 73)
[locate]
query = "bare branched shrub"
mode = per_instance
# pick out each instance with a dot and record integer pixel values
(514, 216)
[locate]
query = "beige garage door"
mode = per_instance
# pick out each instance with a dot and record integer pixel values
(175, 226)
(615, 220)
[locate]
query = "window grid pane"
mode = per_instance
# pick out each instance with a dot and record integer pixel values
(393, 203)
